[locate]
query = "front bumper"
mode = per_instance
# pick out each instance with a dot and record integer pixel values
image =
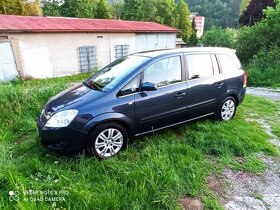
(65, 140)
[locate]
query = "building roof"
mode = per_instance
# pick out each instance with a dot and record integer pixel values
(13, 23)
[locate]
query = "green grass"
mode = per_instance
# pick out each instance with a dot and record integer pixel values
(153, 173)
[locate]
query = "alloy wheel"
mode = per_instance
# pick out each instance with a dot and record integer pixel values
(228, 109)
(109, 142)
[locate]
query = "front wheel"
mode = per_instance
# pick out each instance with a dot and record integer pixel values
(227, 110)
(107, 140)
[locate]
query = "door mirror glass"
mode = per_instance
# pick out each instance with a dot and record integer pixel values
(148, 86)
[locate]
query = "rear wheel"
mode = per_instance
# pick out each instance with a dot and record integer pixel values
(227, 110)
(107, 140)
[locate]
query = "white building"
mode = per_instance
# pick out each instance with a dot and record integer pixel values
(199, 22)
(41, 47)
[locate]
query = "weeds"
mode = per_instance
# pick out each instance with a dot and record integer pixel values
(153, 173)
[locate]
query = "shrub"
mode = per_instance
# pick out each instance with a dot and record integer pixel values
(218, 37)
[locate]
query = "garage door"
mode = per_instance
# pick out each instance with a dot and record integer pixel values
(8, 69)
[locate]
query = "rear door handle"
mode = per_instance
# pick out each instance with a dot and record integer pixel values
(180, 94)
(219, 84)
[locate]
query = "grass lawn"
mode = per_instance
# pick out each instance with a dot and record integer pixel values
(153, 173)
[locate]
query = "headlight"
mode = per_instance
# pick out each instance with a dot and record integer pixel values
(62, 119)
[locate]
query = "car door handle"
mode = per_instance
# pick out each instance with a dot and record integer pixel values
(180, 94)
(219, 84)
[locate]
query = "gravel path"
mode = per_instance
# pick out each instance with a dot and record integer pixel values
(248, 191)
(270, 93)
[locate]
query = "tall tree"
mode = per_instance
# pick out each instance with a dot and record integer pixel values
(193, 38)
(261, 36)
(77, 8)
(243, 6)
(166, 12)
(149, 10)
(254, 11)
(116, 8)
(32, 8)
(183, 21)
(133, 10)
(9, 7)
(51, 7)
(103, 10)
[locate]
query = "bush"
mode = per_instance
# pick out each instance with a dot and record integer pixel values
(266, 58)
(263, 35)
(218, 37)
(270, 77)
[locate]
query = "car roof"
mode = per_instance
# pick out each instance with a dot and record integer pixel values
(160, 52)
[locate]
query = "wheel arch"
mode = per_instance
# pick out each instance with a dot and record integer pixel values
(118, 118)
(233, 93)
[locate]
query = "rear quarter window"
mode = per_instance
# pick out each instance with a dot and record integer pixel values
(227, 63)
(199, 65)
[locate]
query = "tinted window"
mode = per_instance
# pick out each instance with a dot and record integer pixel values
(111, 75)
(227, 64)
(131, 87)
(199, 65)
(164, 72)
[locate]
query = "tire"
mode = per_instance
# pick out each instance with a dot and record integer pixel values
(107, 140)
(227, 109)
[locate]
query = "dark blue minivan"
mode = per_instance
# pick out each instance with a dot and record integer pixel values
(142, 93)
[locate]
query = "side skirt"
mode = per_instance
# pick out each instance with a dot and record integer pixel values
(168, 126)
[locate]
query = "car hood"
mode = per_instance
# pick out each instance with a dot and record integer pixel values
(72, 98)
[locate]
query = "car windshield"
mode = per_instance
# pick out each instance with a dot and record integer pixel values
(111, 75)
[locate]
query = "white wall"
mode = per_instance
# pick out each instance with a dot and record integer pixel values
(43, 55)
(54, 54)
(155, 41)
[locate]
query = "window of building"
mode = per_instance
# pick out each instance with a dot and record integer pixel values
(87, 58)
(121, 50)
(199, 65)
(227, 64)
(164, 72)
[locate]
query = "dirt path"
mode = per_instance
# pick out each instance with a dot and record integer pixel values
(246, 191)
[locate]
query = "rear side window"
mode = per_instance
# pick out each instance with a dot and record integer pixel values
(164, 72)
(227, 64)
(199, 65)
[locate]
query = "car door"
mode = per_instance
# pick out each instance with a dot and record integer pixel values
(206, 86)
(166, 105)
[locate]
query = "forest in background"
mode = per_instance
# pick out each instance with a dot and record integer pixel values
(221, 13)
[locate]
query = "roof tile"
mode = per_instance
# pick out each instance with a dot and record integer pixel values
(13, 23)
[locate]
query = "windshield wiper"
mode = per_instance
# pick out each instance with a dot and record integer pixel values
(92, 85)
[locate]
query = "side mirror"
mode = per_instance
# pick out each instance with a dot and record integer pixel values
(148, 86)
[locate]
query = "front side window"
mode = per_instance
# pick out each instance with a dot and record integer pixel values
(87, 58)
(131, 87)
(109, 77)
(227, 64)
(164, 72)
(121, 50)
(199, 65)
